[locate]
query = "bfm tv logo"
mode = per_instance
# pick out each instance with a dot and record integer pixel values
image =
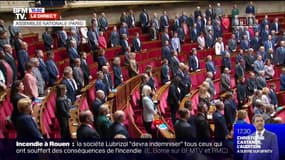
(34, 14)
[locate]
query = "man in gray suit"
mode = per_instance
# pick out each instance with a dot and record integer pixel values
(225, 81)
(38, 75)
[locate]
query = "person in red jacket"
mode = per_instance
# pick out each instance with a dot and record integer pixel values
(225, 23)
(102, 41)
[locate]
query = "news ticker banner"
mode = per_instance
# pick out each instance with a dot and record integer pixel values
(38, 17)
(244, 143)
(247, 143)
(109, 148)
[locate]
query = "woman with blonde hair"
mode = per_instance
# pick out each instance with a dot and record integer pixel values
(265, 95)
(133, 65)
(25, 124)
(241, 116)
(204, 95)
(148, 108)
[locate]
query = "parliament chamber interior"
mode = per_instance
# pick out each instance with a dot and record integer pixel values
(140, 67)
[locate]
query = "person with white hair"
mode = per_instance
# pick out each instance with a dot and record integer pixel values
(37, 74)
(258, 64)
(148, 108)
(219, 10)
(219, 46)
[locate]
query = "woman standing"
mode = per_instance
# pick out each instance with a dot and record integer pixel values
(148, 108)
(25, 124)
(16, 94)
(62, 110)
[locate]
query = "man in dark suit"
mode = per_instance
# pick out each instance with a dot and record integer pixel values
(221, 131)
(85, 68)
(200, 24)
(265, 22)
(103, 122)
(165, 77)
(52, 68)
(264, 33)
(201, 122)
(255, 41)
(144, 20)
(244, 43)
(194, 33)
(93, 42)
(107, 80)
(17, 41)
(70, 84)
(8, 57)
(173, 98)
(164, 21)
(118, 127)
(165, 36)
(251, 84)
(210, 12)
(275, 26)
(137, 47)
(250, 9)
(225, 84)
(47, 38)
(174, 63)
(124, 43)
(118, 76)
(25, 124)
(268, 43)
(232, 43)
(86, 130)
(62, 37)
(131, 19)
(99, 84)
(124, 29)
(268, 141)
(193, 61)
(230, 110)
(239, 70)
(217, 30)
(114, 37)
(42, 66)
(249, 60)
(210, 39)
(272, 94)
(260, 80)
(100, 99)
(73, 53)
(210, 66)
(23, 58)
(241, 91)
(103, 22)
(166, 51)
(183, 129)
(197, 13)
(280, 54)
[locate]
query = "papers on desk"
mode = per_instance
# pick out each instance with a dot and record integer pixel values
(209, 116)
(168, 82)
(38, 99)
(162, 126)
